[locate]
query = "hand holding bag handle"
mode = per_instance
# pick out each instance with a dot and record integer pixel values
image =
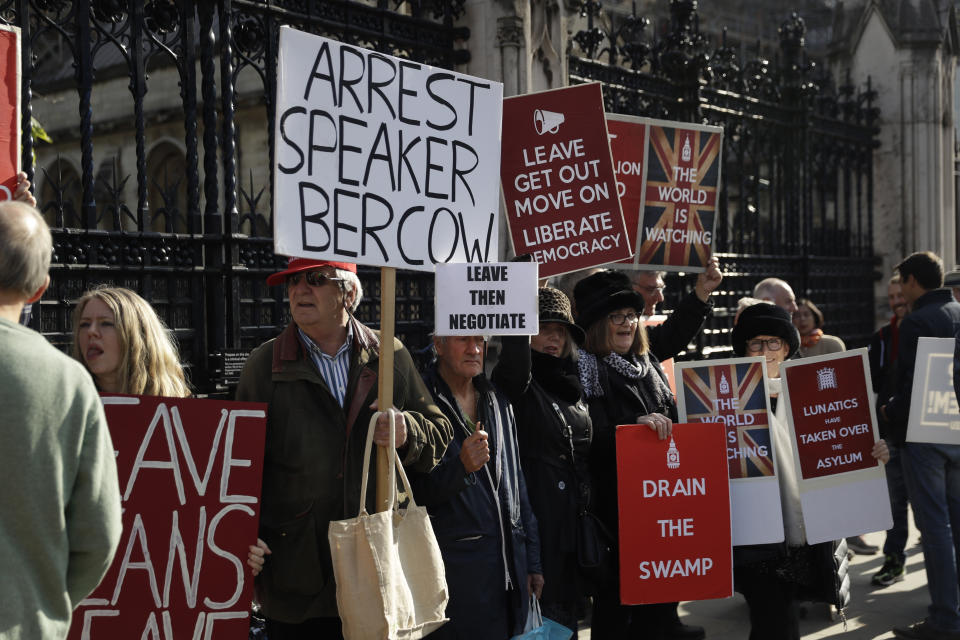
(397, 466)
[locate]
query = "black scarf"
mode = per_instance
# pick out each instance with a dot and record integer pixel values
(558, 376)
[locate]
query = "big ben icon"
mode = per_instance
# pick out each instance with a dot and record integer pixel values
(673, 455)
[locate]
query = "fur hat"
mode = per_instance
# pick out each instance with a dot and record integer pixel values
(764, 319)
(555, 307)
(602, 292)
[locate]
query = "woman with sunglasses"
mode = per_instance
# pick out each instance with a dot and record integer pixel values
(623, 384)
(774, 577)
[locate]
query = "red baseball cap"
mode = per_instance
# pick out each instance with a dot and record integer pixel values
(296, 265)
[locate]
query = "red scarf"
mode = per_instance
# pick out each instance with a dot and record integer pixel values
(811, 338)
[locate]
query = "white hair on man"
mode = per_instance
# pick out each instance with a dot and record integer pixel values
(25, 249)
(352, 282)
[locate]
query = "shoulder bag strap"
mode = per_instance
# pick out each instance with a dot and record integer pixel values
(397, 466)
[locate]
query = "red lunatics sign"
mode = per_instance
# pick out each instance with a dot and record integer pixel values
(674, 498)
(9, 111)
(190, 473)
(558, 182)
(830, 410)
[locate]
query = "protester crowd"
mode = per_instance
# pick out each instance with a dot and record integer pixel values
(518, 471)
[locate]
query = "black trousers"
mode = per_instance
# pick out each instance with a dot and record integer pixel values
(774, 613)
(312, 629)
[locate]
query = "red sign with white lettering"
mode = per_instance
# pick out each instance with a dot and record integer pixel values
(830, 411)
(558, 183)
(190, 473)
(9, 111)
(674, 498)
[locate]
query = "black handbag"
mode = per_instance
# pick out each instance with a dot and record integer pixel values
(596, 555)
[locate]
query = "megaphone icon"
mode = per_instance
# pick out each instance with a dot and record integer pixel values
(546, 121)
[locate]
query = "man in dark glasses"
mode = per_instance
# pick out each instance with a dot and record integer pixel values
(319, 378)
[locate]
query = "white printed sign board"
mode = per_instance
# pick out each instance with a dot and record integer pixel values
(498, 299)
(383, 161)
(843, 488)
(933, 407)
(734, 392)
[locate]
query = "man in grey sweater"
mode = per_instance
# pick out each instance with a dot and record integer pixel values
(60, 504)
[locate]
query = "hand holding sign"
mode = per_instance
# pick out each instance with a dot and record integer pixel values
(381, 433)
(475, 451)
(256, 556)
(880, 451)
(659, 423)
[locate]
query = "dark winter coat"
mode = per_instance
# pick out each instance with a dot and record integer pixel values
(882, 354)
(467, 509)
(548, 401)
(313, 458)
(935, 314)
(622, 402)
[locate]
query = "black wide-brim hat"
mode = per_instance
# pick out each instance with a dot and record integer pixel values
(602, 292)
(764, 319)
(554, 306)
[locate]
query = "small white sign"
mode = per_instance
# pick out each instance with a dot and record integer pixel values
(494, 299)
(934, 416)
(382, 161)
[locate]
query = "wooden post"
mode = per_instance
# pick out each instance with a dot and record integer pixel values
(388, 298)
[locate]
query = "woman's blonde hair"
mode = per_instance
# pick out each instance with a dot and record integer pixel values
(149, 364)
(598, 340)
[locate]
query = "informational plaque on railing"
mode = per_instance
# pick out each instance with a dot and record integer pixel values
(733, 392)
(674, 507)
(383, 161)
(843, 488)
(494, 299)
(669, 186)
(933, 404)
(190, 473)
(559, 188)
(9, 111)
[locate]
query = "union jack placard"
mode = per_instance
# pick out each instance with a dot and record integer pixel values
(733, 394)
(680, 196)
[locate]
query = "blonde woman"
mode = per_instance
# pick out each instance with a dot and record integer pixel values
(127, 349)
(125, 346)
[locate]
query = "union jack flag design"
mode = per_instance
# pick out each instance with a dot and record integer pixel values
(733, 394)
(681, 197)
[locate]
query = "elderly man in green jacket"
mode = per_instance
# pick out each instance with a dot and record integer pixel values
(319, 378)
(60, 504)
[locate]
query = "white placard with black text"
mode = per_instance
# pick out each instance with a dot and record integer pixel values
(933, 403)
(497, 299)
(383, 161)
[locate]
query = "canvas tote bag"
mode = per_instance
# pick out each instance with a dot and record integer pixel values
(387, 565)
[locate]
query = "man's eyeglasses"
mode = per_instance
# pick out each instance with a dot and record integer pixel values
(621, 318)
(650, 290)
(756, 345)
(314, 278)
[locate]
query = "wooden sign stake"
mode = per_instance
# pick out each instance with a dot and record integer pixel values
(388, 296)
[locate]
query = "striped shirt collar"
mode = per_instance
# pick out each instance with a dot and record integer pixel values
(334, 369)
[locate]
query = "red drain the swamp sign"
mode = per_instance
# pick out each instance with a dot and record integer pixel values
(674, 498)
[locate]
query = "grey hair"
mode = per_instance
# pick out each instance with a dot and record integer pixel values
(768, 288)
(353, 283)
(25, 248)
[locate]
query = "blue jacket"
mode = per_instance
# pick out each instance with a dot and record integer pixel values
(935, 314)
(462, 506)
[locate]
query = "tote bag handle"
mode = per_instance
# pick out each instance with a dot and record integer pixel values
(397, 466)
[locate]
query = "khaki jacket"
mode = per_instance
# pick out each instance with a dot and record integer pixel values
(313, 457)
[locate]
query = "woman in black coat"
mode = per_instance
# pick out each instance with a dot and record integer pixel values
(623, 384)
(553, 431)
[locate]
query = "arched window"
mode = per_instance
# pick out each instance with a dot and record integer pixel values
(60, 194)
(167, 188)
